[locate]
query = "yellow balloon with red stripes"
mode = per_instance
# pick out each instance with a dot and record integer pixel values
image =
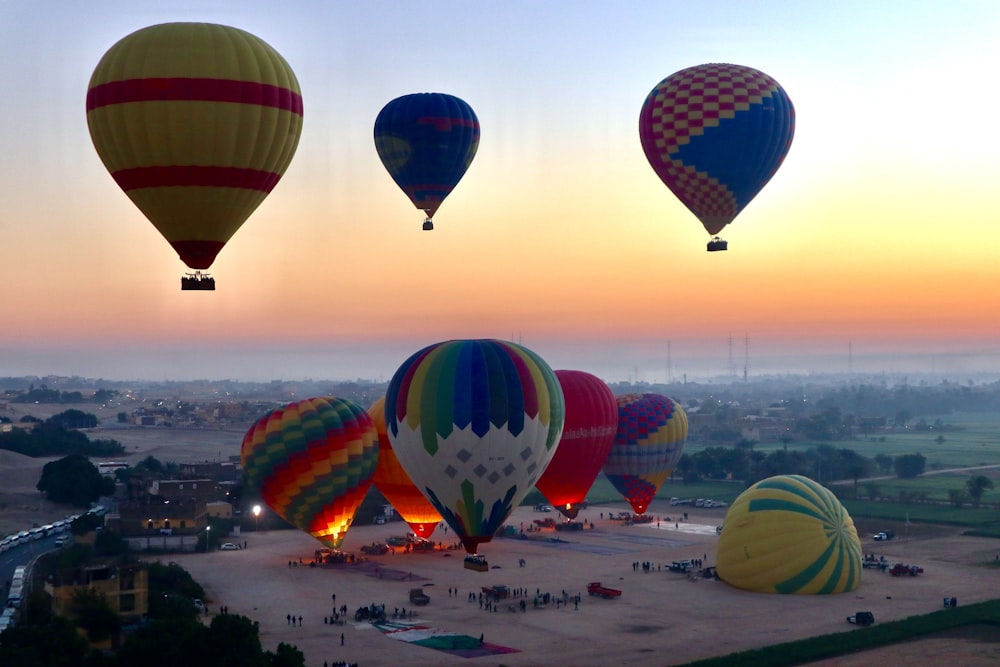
(789, 534)
(196, 122)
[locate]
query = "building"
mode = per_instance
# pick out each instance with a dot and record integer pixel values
(125, 587)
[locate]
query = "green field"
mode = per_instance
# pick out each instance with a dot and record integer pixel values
(974, 439)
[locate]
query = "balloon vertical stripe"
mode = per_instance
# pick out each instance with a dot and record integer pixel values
(474, 423)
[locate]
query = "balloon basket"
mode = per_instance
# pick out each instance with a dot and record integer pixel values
(428, 225)
(477, 563)
(197, 281)
(717, 244)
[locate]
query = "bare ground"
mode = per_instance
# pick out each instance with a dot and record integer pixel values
(662, 618)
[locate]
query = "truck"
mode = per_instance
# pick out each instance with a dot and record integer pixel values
(683, 566)
(864, 618)
(903, 570)
(883, 536)
(595, 588)
(419, 597)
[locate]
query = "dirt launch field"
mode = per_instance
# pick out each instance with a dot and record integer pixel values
(661, 618)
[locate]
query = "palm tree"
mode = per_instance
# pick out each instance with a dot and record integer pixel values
(976, 486)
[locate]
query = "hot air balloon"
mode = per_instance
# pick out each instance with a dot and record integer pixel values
(715, 135)
(426, 142)
(588, 433)
(651, 433)
(474, 423)
(313, 462)
(789, 534)
(397, 487)
(196, 123)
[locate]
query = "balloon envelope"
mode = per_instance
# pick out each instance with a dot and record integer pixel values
(196, 123)
(789, 534)
(649, 441)
(588, 433)
(426, 142)
(313, 462)
(474, 424)
(715, 134)
(397, 487)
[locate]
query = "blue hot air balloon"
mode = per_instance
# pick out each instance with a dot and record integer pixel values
(715, 135)
(426, 142)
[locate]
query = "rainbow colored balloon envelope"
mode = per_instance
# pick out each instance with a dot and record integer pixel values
(196, 122)
(397, 487)
(789, 534)
(652, 430)
(589, 432)
(715, 134)
(474, 423)
(312, 462)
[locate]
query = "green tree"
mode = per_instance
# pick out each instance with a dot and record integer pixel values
(908, 466)
(976, 486)
(884, 462)
(74, 480)
(55, 644)
(73, 419)
(95, 615)
(957, 497)
(287, 656)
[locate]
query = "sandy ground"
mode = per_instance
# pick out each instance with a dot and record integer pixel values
(662, 618)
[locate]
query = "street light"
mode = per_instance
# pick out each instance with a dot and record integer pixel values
(207, 532)
(256, 517)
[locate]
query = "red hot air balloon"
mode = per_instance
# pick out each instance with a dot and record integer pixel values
(397, 487)
(589, 432)
(313, 462)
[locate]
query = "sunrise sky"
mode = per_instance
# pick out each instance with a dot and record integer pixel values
(875, 245)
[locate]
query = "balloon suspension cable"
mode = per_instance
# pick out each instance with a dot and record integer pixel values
(197, 281)
(717, 244)
(428, 224)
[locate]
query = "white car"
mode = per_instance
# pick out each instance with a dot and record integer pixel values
(229, 546)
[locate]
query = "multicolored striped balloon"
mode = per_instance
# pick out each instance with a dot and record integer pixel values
(589, 432)
(652, 430)
(196, 123)
(715, 134)
(313, 462)
(397, 487)
(474, 423)
(789, 534)
(426, 142)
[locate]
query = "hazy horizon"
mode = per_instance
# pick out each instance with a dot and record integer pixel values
(632, 362)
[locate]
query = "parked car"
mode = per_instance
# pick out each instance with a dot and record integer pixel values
(229, 546)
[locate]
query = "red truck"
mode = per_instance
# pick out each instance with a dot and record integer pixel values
(901, 570)
(595, 588)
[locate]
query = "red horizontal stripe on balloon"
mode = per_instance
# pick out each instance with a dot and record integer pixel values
(193, 90)
(192, 176)
(444, 122)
